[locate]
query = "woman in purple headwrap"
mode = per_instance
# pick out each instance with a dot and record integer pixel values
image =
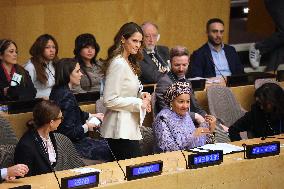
(175, 123)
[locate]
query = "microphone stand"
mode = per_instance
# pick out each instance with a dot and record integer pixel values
(44, 149)
(212, 62)
(163, 120)
(112, 154)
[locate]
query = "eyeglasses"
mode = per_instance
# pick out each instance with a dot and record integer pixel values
(58, 118)
(155, 36)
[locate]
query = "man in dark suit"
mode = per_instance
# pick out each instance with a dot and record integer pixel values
(10, 173)
(156, 58)
(179, 57)
(215, 58)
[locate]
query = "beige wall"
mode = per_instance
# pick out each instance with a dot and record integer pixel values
(181, 22)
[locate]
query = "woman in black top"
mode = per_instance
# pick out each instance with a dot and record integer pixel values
(266, 116)
(37, 148)
(15, 82)
(76, 123)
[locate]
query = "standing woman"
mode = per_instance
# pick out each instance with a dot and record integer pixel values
(41, 65)
(15, 82)
(86, 51)
(122, 93)
(76, 122)
(37, 147)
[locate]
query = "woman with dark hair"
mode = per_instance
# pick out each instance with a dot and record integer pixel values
(41, 65)
(86, 51)
(266, 116)
(76, 123)
(15, 82)
(126, 105)
(37, 147)
(173, 126)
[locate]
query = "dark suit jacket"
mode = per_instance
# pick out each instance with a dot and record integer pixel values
(161, 88)
(30, 151)
(202, 64)
(149, 70)
(255, 121)
(24, 91)
(74, 117)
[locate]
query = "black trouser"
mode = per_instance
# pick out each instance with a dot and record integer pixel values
(124, 148)
(276, 10)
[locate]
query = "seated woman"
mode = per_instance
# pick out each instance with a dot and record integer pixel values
(174, 128)
(41, 65)
(37, 148)
(15, 82)
(266, 116)
(75, 124)
(86, 51)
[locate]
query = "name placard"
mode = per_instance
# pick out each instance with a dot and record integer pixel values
(262, 150)
(87, 180)
(144, 170)
(204, 159)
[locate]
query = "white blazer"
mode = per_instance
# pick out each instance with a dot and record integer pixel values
(123, 102)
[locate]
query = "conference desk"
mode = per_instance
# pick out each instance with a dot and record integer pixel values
(235, 172)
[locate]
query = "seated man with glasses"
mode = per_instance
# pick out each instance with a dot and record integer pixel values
(156, 57)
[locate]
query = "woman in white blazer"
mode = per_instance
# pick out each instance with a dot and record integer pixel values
(126, 105)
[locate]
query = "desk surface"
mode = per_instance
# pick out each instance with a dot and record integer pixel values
(234, 172)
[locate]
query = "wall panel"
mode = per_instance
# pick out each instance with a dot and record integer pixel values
(181, 22)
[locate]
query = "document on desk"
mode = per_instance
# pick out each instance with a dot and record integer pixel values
(85, 170)
(227, 148)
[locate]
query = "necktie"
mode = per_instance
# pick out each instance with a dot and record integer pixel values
(160, 67)
(182, 80)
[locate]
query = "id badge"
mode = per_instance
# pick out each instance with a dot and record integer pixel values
(16, 79)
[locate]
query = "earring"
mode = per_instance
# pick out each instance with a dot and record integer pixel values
(171, 106)
(120, 47)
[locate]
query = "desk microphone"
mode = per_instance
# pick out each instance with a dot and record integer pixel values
(166, 122)
(212, 62)
(49, 164)
(112, 154)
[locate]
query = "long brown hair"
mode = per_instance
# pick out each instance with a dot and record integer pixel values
(37, 58)
(126, 31)
(4, 44)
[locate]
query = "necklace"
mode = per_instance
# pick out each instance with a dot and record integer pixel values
(269, 125)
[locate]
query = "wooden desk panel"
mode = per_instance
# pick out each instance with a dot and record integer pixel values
(234, 173)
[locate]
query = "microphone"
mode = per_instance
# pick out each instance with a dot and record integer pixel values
(50, 166)
(112, 154)
(53, 171)
(165, 121)
(212, 62)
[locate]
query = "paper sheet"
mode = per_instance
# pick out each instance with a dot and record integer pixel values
(85, 170)
(227, 148)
